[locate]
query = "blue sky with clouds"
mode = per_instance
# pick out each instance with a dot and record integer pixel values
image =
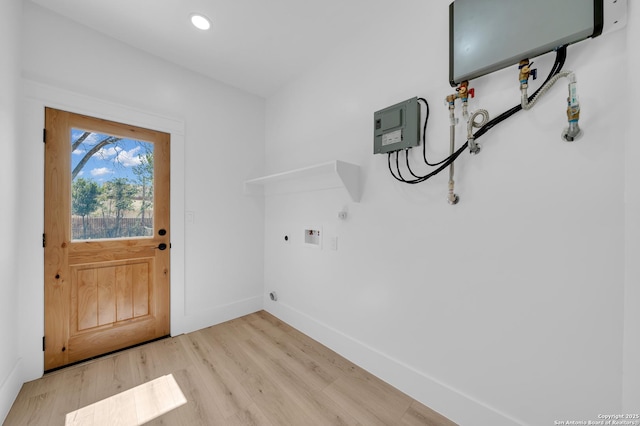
(111, 161)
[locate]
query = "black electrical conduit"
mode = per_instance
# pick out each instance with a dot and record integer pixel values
(561, 56)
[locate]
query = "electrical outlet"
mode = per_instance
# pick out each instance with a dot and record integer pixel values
(190, 217)
(333, 243)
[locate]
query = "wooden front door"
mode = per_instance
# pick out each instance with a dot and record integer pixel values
(106, 236)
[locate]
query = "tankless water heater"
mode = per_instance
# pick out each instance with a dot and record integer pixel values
(488, 35)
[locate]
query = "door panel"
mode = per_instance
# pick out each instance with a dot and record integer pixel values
(107, 294)
(106, 276)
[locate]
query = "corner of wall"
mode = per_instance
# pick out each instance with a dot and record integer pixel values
(444, 399)
(9, 389)
(195, 321)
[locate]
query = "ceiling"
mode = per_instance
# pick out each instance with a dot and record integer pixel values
(255, 45)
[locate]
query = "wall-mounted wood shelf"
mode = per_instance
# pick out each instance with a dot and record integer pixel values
(333, 174)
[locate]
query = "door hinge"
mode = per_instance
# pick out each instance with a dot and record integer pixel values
(44, 343)
(44, 240)
(44, 135)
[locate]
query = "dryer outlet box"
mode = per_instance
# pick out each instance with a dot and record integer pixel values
(313, 236)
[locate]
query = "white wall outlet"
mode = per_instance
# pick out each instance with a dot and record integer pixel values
(190, 216)
(333, 243)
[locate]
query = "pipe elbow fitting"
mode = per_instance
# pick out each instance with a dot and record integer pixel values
(453, 197)
(474, 148)
(572, 133)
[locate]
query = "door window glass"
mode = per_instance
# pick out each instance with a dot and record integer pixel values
(111, 186)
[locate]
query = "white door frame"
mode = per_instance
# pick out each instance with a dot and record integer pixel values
(37, 96)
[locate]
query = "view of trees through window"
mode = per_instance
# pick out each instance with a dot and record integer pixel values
(112, 186)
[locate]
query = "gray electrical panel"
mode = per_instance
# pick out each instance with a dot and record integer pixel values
(488, 35)
(396, 127)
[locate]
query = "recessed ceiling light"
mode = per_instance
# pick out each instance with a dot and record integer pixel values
(200, 21)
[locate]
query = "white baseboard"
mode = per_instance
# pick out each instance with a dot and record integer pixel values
(9, 389)
(216, 315)
(440, 397)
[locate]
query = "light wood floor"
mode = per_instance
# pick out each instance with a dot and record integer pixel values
(254, 370)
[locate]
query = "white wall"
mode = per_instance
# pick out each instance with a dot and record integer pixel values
(505, 309)
(631, 389)
(10, 12)
(217, 140)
